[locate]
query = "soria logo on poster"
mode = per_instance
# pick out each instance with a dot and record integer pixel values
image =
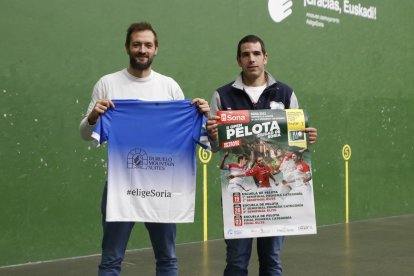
(279, 10)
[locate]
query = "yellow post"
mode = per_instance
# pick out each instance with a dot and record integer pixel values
(346, 154)
(205, 157)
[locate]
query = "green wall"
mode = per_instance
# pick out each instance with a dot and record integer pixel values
(353, 78)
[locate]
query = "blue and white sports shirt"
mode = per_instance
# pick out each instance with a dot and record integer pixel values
(151, 159)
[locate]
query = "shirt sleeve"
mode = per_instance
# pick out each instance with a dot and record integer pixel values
(251, 171)
(85, 128)
(100, 132)
(305, 167)
(177, 92)
(202, 137)
(215, 106)
(294, 104)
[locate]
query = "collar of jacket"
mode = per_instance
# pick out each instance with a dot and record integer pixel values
(238, 83)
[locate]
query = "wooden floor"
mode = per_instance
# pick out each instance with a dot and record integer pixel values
(380, 247)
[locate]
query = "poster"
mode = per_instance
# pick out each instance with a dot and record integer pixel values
(266, 175)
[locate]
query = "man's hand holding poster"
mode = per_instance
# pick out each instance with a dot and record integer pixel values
(266, 173)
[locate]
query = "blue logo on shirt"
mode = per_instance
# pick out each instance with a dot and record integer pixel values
(139, 159)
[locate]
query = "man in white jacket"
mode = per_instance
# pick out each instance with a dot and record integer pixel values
(138, 81)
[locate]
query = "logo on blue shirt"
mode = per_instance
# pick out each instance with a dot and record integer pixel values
(139, 159)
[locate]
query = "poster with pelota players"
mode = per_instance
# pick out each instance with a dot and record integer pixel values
(266, 175)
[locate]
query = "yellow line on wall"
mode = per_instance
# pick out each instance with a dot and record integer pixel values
(205, 201)
(346, 154)
(205, 157)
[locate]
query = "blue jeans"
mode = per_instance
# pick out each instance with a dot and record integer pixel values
(115, 240)
(268, 251)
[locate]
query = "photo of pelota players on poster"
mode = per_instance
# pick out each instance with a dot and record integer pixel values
(266, 175)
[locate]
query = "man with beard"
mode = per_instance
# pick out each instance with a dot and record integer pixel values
(138, 81)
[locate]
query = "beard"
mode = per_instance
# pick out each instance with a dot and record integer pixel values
(139, 65)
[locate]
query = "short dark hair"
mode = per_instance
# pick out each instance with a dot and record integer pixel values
(261, 157)
(140, 27)
(253, 39)
(243, 156)
(298, 154)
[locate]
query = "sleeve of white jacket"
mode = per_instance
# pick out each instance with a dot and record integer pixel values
(294, 104)
(215, 106)
(85, 128)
